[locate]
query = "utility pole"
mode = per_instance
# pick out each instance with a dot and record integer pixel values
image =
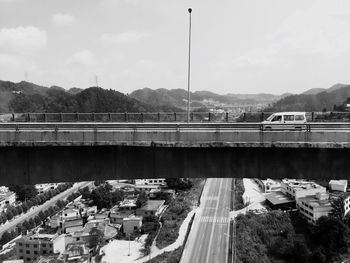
(96, 80)
(189, 68)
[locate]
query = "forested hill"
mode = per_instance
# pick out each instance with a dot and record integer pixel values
(28, 97)
(323, 101)
(178, 98)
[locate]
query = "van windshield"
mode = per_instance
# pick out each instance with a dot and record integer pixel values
(270, 117)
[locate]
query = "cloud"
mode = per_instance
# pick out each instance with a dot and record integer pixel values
(84, 58)
(122, 38)
(22, 40)
(63, 19)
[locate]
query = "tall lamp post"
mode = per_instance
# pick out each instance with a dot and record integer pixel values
(189, 68)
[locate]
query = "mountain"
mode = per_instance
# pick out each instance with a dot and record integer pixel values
(313, 91)
(336, 87)
(325, 100)
(29, 97)
(199, 99)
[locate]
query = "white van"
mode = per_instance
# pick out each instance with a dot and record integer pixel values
(285, 121)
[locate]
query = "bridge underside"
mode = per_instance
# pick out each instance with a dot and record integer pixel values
(30, 165)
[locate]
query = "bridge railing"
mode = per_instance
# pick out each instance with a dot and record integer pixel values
(164, 117)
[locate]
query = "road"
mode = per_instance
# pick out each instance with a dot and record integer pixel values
(208, 241)
(33, 212)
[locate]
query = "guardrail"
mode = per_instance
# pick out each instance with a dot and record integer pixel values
(172, 126)
(164, 117)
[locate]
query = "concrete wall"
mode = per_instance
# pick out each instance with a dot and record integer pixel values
(30, 165)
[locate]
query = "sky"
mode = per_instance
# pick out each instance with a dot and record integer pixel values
(238, 46)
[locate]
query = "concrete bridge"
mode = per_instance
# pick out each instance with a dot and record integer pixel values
(54, 152)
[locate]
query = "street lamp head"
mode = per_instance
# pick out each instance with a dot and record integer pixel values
(190, 10)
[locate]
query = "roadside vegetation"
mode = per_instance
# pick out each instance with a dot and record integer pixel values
(278, 236)
(239, 190)
(187, 198)
(39, 219)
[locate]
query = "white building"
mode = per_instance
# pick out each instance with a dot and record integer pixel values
(6, 198)
(42, 188)
(154, 181)
(269, 185)
(338, 185)
(299, 188)
(313, 207)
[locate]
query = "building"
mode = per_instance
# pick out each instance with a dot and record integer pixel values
(70, 213)
(338, 185)
(76, 252)
(155, 181)
(7, 197)
(116, 217)
(127, 205)
(296, 189)
(72, 225)
(152, 208)
(313, 207)
(278, 200)
(269, 185)
(29, 248)
(42, 188)
(14, 261)
(131, 224)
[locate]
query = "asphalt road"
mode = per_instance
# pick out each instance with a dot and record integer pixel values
(33, 212)
(208, 241)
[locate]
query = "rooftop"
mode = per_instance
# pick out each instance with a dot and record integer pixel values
(277, 198)
(153, 205)
(301, 184)
(338, 182)
(313, 201)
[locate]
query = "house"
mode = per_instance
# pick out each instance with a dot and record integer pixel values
(131, 224)
(338, 185)
(152, 208)
(269, 185)
(76, 251)
(42, 188)
(313, 207)
(29, 248)
(300, 188)
(116, 217)
(72, 225)
(127, 205)
(7, 198)
(70, 213)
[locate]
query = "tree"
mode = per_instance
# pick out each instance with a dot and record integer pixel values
(85, 192)
(24, 192)
(338, 210)
(9, 215)
(31, 223)
(37, 220)
(96, 237)
(179, 183)
(141, 199)
(5, 238)
(42, 215)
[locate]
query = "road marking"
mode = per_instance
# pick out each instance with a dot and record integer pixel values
(214, 219)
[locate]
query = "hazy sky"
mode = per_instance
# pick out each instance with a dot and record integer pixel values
(238, 46)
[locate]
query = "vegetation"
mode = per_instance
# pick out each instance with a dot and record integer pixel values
(179, 183)
(280, 237)
(239, 190)
(12, 211)
(150, 226)
(141, 199)
(103, 196)
(177, 211)
(168, 257)
(323, 101)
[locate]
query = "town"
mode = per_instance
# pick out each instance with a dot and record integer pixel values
(128, 220)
